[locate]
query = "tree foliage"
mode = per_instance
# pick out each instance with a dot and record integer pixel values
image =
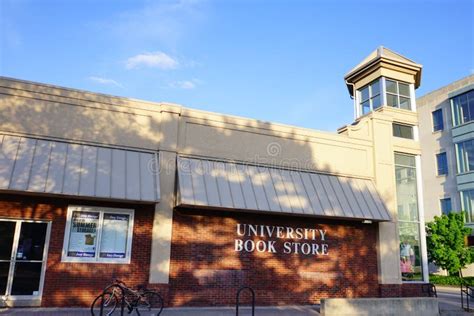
(446, 243)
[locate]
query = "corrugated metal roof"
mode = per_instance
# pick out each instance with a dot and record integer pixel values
(237, 186)
(36, 165)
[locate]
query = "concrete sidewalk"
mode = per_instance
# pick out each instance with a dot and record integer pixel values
(449, 299)
(184, 311)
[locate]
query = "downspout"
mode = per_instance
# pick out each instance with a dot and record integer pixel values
(353, 98)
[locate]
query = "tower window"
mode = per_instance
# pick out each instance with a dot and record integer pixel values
(370, 97)
(398, 94)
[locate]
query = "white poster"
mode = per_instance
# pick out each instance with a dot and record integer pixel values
(114, 235)
(83, 237)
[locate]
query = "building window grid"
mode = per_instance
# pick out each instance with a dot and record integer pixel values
(397, 97)
(467, 203)
(462, 107)
(465, 156)
(370, 96)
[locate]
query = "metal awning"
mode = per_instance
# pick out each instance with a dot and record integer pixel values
(46, 166)
(227, 185)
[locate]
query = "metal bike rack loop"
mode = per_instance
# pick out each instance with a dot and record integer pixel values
(237, 303)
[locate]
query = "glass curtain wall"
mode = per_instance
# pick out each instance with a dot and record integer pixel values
(408, 218)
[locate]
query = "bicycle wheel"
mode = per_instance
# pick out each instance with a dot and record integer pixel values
(108, 301)
(150, 304)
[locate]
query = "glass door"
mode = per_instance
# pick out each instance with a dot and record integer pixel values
(23, 253)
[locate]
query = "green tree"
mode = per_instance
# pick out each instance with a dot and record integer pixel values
(446, 241)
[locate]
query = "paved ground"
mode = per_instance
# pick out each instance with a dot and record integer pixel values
(230, 311)
(449, 302)
(449, 299)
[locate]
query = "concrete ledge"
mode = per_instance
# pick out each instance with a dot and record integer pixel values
(417, 306)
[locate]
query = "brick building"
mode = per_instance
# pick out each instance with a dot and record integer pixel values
(198, 204)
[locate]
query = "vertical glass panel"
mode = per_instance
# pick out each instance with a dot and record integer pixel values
(376, 102)
(26, 278)
(375, 88)
(7, 232)
(114, 242)
(407, 196)
(410, 252)
(4, 269)
(466, 156)
(464, 108)
(392, 100)
(364, 93)
(391, 86)
(31, 243)
(468, 204)
(405, 103)
(83, 236)
(404, 89)
(457, 111)
(366, 107)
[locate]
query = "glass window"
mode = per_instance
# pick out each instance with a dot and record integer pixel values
(463, 108)
(438, 120)
(95, 234)
(410, 252)
(409, 226)
(398, 94)
(404, 131)
(442, 164)
(407, 197)
(467, 200)
(465, 152)
(445, 206)
(370, 97)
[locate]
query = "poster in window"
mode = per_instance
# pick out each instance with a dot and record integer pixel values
(83, 237)
(114, 235)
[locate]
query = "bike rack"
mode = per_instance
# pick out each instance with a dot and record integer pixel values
(237, 303)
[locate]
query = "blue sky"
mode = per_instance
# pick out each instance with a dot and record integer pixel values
(281, 61)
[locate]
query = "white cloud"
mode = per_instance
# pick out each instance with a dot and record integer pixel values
(105, 81)
(153, 60)
(185, 84)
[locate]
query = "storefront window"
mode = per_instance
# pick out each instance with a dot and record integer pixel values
(408, 217)
(95, 234)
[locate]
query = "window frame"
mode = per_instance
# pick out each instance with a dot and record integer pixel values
(445, 161)
(398, 95)
(403, 125)
(457, 117)
(462, 157)
(101, 211)
(441, 205)
(440, 126)
(371, 96)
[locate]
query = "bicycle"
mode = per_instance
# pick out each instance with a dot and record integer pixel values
(119, 294)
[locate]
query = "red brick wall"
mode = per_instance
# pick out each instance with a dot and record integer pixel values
(206, 270)
(76, 284)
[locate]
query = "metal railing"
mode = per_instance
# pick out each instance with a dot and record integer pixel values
(468, 291)
(237, 301)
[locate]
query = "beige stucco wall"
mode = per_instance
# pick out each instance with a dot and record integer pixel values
(362, 150)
